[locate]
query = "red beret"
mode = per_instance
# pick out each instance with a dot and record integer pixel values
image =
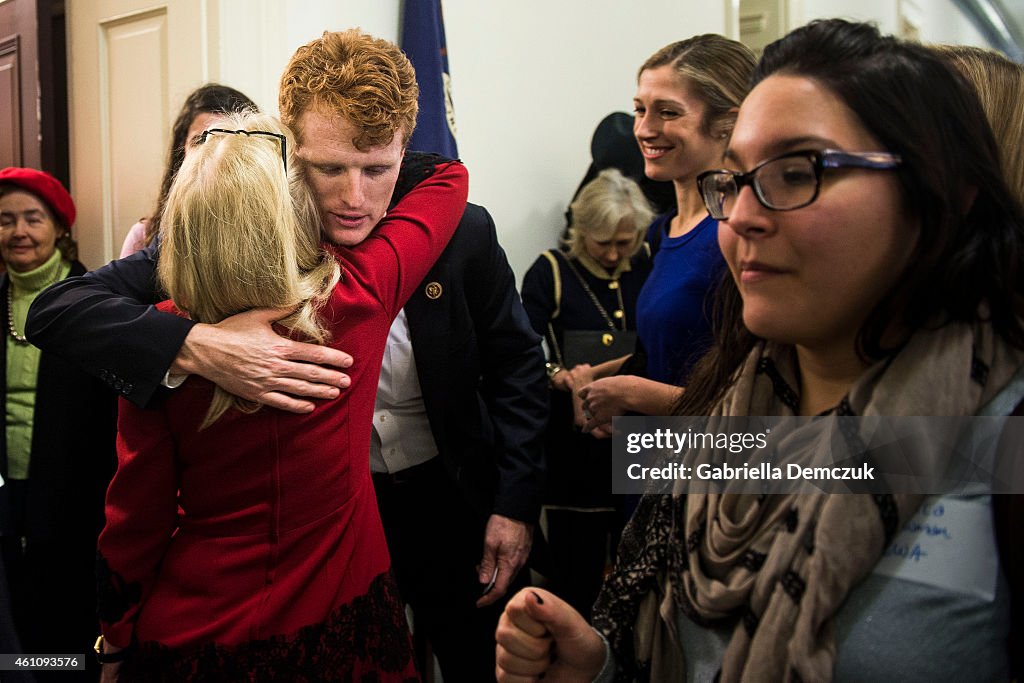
(44, 186)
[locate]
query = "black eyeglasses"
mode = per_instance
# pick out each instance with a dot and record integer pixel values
(787, 182)
(248, 133)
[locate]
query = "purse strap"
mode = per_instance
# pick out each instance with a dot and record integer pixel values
(556, 277)
(593, 297)
(554, 345)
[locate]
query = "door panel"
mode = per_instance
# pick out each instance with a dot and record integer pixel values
(19, 88)
(132, 64)
(135, 120)
(762, 22)
(10, 104)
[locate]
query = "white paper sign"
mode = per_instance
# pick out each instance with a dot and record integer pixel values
(950, 543)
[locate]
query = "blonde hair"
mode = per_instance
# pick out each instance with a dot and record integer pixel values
(717, 68)
(239, 233)
(365, 80)
(999, 83)
(604, 206)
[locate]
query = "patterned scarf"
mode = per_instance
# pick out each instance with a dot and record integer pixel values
(779, 567)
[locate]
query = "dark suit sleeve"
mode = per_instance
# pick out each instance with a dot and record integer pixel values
(104, 323)
(513, 384)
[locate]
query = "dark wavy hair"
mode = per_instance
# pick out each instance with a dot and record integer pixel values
(969, 249)
(212, 98)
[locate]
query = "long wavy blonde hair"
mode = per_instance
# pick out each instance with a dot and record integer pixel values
(238, 233)
(999, 83)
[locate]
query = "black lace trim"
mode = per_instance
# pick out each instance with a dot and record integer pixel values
(889, 513)
(792, 520)
(809, 539)
(793, 585)
(640, 557)
(979, 369)
(844, 409)
(369, 634)
(783, 391)
(114, 595)
(858, 451)
(855, 445)
(750, 621)
(693, 540)
(753, 560)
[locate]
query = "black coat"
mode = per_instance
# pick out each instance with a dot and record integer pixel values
(51, 571)
(73, 454)
(481, 370)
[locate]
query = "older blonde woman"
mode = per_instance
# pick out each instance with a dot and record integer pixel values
(584, 303)
(243, 543)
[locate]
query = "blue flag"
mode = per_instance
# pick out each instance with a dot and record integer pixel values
(423, 42)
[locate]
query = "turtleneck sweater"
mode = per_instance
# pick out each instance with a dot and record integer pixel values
(23, 363)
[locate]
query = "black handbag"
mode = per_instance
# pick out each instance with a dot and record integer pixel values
(595, 346)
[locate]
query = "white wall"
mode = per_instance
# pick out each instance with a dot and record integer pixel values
(531, 81)
(937, 21)
(257, 37)
(941, 21)
(883, 12)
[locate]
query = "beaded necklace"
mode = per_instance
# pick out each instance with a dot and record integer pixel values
(11, 329)
(10, 317)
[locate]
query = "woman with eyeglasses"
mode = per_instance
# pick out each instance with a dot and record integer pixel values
(686, 100)
(244, 543)
(876, 256)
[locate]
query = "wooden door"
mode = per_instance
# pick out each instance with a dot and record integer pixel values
(19, 125)
(33, 86)
(132, 64)
(762, 22)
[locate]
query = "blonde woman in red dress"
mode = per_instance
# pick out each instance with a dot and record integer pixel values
(245, 543)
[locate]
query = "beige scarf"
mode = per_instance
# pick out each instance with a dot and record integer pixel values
(779, 567)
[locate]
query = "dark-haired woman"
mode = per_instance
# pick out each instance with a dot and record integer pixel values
(875, 254)
(202, 109)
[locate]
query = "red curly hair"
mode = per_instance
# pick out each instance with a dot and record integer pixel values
(367, 80)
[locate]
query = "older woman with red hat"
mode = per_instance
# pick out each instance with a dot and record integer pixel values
(58, 454)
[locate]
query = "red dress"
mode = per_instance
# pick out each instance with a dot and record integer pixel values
(253, 550)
